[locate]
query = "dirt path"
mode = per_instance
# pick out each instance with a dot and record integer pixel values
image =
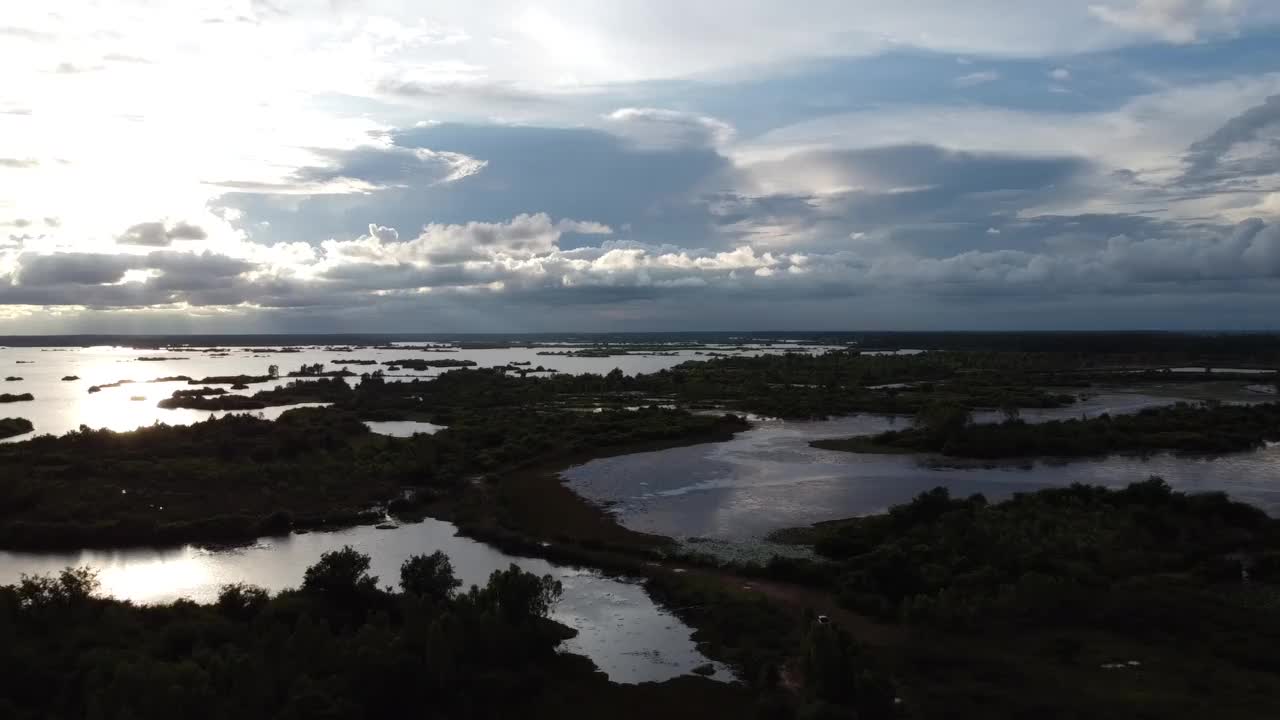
(800, 598)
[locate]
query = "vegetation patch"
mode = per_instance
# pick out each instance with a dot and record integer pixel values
(1202, 428)
(240, 477)
(339, 646)
(1067, 602)
(12, 427)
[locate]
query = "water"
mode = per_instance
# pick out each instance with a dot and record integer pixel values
(769, 477)
(619, 627)
(63, 406)
(763, 479)
(404, 428)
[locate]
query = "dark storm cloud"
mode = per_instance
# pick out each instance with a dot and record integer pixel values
(1210, 159)
(73, 268)
(156, 234)
(368, 276)
(94, 279)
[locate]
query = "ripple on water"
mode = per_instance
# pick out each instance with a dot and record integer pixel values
(769, 477)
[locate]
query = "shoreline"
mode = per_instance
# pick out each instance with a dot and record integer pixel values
(476, 512)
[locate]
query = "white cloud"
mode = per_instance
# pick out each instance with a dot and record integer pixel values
(1060, 74)
(1145, 137)
(1177, 21)
(655, 128)
(977, 78)
(522, 237)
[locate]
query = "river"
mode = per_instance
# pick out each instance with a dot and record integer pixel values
(763, 479)
(619, 627)
(769, 477)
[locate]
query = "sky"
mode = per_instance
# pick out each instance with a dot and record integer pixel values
(575, 165)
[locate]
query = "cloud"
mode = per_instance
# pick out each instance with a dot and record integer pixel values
(654, 128)
(72, 269)
(523, 236)
(157, 234)
(367, 169)
(563, 172)
(1176, 21)
(1246, 145)
(909, 168)
(104, 280)
(23, 33)
(67, 68)
(18, 163)
(1060, 74)
(465, 88)
(977, 78)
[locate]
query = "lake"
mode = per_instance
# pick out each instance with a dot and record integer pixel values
(63, 406)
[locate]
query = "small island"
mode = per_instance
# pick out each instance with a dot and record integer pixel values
(12, 398)
(419, 364)
(1185, 427)
(99, 388)
(12, 427)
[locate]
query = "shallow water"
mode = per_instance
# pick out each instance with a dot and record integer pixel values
(403, 428)
(63, 406)
(769, 477)
(619, 626)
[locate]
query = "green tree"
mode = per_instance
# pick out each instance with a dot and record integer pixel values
(72, 587)
(518, 595)
(241, 601)
(429, 576)
(340, 574)
(943, 419)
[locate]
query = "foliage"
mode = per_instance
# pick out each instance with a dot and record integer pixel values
(296, 655)
(10, 427)
(429, 576)
(1205, 428)
(421, 364)
(237, 477)
(1055, 555)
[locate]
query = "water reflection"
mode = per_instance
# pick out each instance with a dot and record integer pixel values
(403, 428)
(620, 628)
(769, 477)
(61, 405)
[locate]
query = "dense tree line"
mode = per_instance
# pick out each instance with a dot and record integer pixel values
(1048, 554)
(793, 386)
(339, 646)
(240, 476)
(1201, 428)
(1067, 602)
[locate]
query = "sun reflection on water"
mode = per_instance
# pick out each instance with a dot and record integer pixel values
(166, 576)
